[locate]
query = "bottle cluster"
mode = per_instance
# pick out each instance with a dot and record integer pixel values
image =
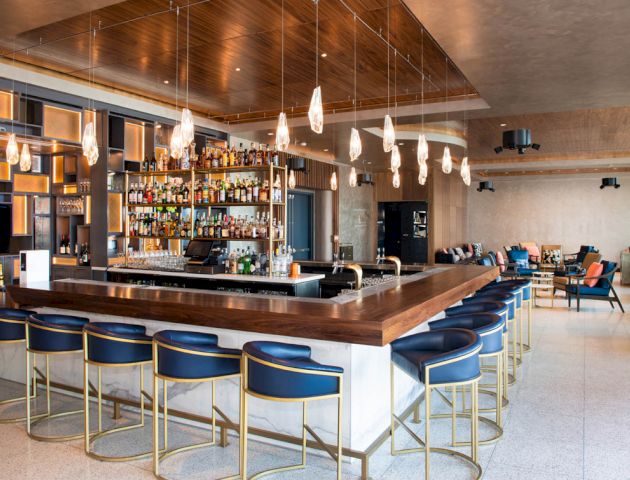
(162, 224)
(174, 190)
(237, 190)
(248, 262)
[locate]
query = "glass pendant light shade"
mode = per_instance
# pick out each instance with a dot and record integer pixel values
(353, 177)
(355, 145)
(25, 158)
(89, 144)
(396, 179)
(389, 135)
(187, 127)
(177, 143)
(465, 171)
(333, 181)
(424, 173)
(423, 149)
(316, 111)
(282, 133)
(395, 158)
(292, 179)
(13, 154)
(447, 163)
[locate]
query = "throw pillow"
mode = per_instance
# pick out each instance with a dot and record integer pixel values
(451, 251)
(477, 249)
(533, 251)
(470, 248)
(500, 261)
(459, 252)
(594, 270)
(551, 257)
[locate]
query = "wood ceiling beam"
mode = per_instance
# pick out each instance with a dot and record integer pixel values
(552, 171)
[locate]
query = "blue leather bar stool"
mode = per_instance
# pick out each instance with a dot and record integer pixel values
(490, 328)
(284, 372)
(438, 359)
(12, 323)
(189, 357)
(51, 334)
(526, 286)
(112, 345)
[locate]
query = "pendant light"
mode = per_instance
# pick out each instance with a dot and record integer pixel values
(389, 135)
(291, 179)
(177, 143)
(447, 163)
(316, 111)
(424, 173)
(187, 122)
(465, 171)
(395, 159)
(352, 181)
(89, 142)
(355, 140)
(25, 158)
(396, 179)
(13, 154)
(282, 130)
(333, 181)
(423, 146)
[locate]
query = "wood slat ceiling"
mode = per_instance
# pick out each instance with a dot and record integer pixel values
(139, 55)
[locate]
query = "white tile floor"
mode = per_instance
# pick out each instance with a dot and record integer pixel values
(568, 420)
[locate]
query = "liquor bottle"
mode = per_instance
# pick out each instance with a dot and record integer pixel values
(240, 266)
(276, 156)
(205, 230)
(62, 245)
(145, 164)
(131, 196)
(204, 192)
(247, 262)
(153, 164)
(255, 191)
(251, 155)
(185, 194)
(232, 157)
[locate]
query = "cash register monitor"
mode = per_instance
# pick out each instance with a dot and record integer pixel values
(198, 249)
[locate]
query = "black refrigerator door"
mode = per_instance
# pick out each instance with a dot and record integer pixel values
(414, 247)
(393, 225)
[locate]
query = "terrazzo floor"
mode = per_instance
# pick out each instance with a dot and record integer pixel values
(568, 419)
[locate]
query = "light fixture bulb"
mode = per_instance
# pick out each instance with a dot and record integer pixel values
(89, 144)
(395, 158)
(389, 134)
(465, 171)
(187, 127)
(25, 158)
(177, 143)
(13, 154)
(424, 173)
(291, 179)
(353, 177)
(423, 149)
(316, 111)
(333, 181)
(396, 179)
(282, 132)
(447, 162)
(355, 145)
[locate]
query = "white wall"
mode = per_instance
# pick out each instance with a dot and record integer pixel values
(570, 211)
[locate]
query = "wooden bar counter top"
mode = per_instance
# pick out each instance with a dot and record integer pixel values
(372, 316)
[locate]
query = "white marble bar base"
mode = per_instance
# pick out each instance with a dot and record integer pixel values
(366, 384)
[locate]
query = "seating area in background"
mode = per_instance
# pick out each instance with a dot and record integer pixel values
(467, 253)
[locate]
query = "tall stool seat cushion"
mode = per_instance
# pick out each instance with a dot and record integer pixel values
(188, 360)
(503, 287)
(120, 346)
(414, 353)
(9, 330)
(485, 306)
(488, 326)
(526, 285)
(275, 381)
(67, 340)
(500, 296)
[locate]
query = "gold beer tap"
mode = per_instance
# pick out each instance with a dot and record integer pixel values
(358, 274)
(396, 261)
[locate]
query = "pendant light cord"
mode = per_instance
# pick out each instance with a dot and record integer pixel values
(355, 70)
(187, 49)
(422, 87)
(388, 46)
(446, 95)
(316, 43)
(282, 54)
(176, 58)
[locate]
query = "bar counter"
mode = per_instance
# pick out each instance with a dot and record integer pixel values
(372, 316)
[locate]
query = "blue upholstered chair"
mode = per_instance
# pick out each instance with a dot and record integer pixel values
(188, 357)
(439, 359)
(519, 264)
(603, 289)
(12, 322)
(490, 327)
(286, 373)
(51, 334)
(113, 345)
(527, 301)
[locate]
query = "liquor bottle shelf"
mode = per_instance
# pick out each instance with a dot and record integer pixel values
(157, 237)
(238, 204)
(155, 205)
(203, 171)
(228, 239)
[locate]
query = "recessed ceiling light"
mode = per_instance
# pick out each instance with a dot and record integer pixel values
(324, 55)
(158, 125)
(401, 143)
(238, 69)
(303, 144)
(504, 124)
(166, 82)
(325, 149)
(270, 134)
(369, 163)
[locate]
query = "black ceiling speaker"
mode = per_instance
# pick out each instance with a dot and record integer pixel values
(609, 182)
(486, 186)
(297, 164)
(365, 178)
(519, 140)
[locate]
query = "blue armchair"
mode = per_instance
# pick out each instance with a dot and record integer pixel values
(519, 263)
(603, 289)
